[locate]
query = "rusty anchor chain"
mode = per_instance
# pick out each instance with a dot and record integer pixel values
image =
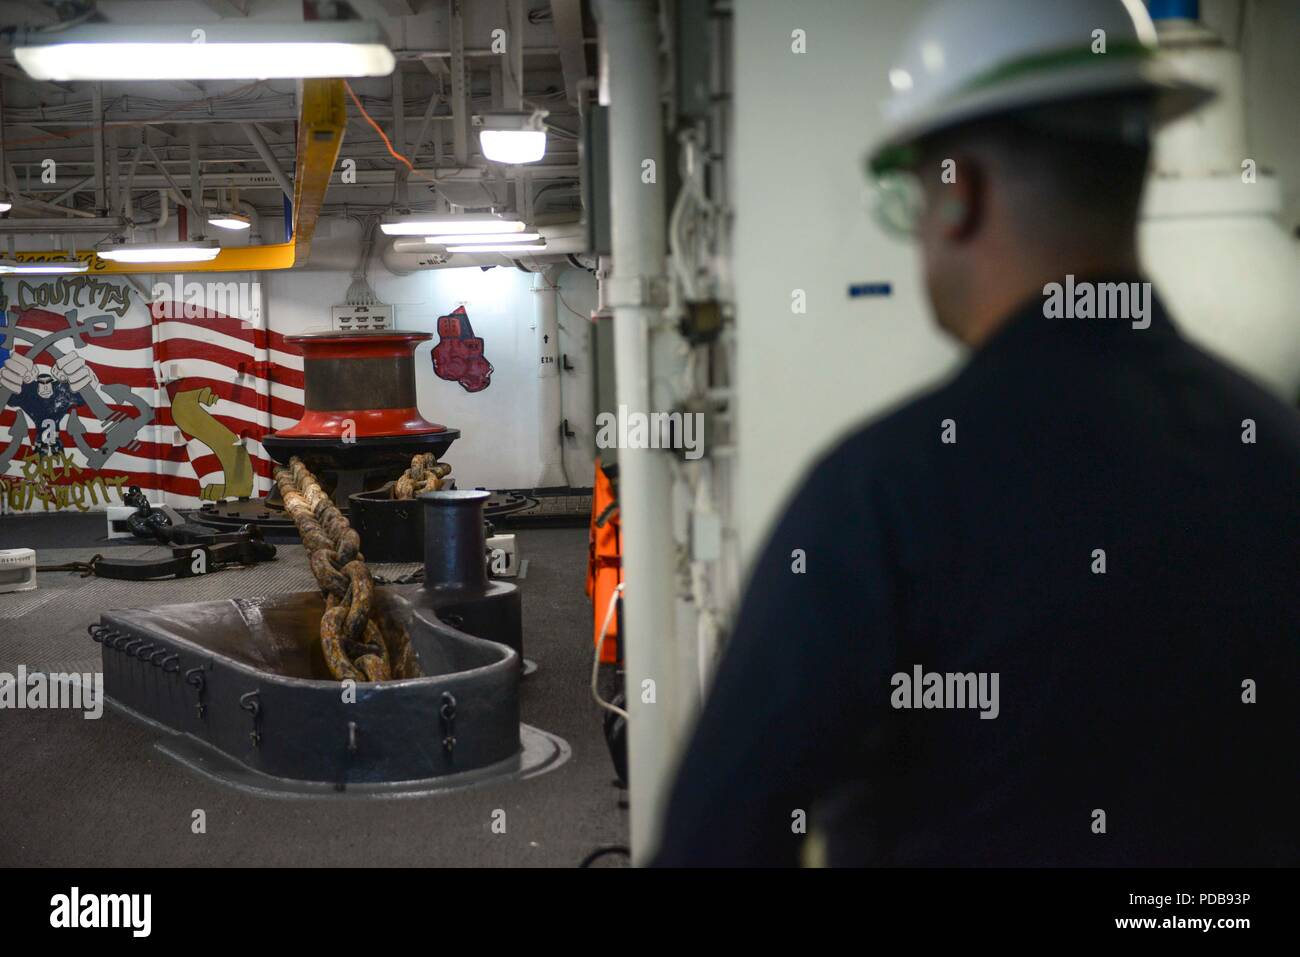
(358, 640)
(425, 475)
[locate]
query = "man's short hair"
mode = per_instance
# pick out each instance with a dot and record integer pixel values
(1082, 162)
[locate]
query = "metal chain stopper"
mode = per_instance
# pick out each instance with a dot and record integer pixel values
(358, 640)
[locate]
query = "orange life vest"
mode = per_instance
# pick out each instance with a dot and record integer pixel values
(604, 564)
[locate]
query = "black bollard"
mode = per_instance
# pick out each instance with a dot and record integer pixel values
(456, 584)
(455, 546)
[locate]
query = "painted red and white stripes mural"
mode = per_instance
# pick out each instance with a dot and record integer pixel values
(104, 388)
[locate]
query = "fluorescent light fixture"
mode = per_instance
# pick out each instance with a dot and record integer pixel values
(12, 267)
(451, 224)
(228, 219)
(196, 252)
(218, 51)
(513, 137)
(498, 248)
(484, 238)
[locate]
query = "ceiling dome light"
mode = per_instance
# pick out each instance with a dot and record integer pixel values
(512, 138)
(229, 219)
(218, 51)
(196, 252)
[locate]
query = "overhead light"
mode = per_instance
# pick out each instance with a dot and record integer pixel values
(196, 252)
(512, 137)
(498, 248)
(13, 267)
(450, 224)
(218, 51)
(485, 238)
(229, 219)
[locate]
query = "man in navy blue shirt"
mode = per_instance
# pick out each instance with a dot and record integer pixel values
(1049, 613)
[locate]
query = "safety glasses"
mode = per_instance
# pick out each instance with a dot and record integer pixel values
(896, 201)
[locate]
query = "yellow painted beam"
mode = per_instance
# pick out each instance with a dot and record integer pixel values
(322, 118)
(321, 123)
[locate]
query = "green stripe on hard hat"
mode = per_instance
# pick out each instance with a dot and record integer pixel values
(1055, 60)
(902, 155)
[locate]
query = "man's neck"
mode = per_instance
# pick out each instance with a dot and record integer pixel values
(1009, 289)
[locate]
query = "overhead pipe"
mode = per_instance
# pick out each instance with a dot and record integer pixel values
(176, 192)
(459, 93)
(85, 223)
(272, 164)
(399, 133)
(23, 202)
(128, 203)
(97, 146)
(200, 224)
(254, 218)
(58, 200)
(644, 356)
(163, 212)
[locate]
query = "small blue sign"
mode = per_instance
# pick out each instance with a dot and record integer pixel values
(860, 289)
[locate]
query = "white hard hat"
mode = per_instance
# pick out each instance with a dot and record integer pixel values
(968, 59)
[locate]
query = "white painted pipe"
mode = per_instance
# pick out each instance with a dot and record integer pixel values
(643, 359)
(255, 220)
(1210, 235)
(547, 335)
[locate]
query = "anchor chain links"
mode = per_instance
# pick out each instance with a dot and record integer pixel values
(425, 475)
(358, 640)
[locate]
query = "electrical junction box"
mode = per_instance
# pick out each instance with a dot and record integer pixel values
(18, 569)
(503, 558)
(361, 318)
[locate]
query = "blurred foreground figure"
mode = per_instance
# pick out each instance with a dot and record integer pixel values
(1048, 614)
